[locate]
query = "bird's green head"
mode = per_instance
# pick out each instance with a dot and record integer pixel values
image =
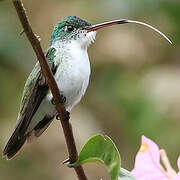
(72, 28)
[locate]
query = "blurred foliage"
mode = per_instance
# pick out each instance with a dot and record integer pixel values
(134, 87)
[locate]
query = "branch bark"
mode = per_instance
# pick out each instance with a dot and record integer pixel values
(62, 113)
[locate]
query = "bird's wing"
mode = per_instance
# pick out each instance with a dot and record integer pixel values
(35, 90)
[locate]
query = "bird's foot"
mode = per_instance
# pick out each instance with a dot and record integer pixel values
(67, 115)
(62, 99)
(66, 118)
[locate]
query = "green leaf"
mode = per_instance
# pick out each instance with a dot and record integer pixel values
(101, 149)
(125, 175)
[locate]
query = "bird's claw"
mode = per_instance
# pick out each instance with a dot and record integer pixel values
(62, 99)
(67, 116)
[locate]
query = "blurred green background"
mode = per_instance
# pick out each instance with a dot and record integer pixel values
(134, 87)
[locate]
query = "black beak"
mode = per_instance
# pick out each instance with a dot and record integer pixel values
(122, 21)
(105, 24)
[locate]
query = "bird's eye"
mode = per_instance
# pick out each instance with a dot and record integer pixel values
(69, 28)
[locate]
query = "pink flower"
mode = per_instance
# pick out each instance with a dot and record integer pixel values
(147, 163)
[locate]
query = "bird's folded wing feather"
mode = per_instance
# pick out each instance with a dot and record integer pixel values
(35, 90)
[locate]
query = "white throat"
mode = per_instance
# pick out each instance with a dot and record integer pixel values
(75, 48)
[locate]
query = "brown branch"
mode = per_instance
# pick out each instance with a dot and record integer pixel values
(62, 113)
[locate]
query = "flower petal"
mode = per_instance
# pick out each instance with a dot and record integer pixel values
(147, 163)
(178, 174)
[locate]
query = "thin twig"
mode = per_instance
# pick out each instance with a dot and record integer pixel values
(67, 128)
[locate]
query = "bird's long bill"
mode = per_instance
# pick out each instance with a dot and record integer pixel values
(123, 21)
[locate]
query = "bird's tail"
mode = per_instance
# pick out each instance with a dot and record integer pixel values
(14, 143)
(18, 138)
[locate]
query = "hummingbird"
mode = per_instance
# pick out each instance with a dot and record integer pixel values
(69, 62)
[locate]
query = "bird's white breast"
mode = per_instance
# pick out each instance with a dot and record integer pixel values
(73, 72)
